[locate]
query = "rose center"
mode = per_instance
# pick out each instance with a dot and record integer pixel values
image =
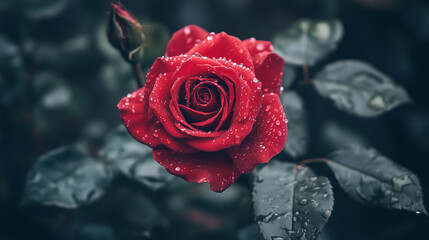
(203, 95)
(206, 102)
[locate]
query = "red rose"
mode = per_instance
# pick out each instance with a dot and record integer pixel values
(210, 108)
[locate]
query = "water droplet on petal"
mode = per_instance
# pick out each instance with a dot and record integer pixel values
(187, 30)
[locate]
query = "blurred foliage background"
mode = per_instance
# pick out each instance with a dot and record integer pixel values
(60, 82)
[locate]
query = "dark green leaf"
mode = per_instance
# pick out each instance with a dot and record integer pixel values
(134, 159)
(358, 88)
(290, 202)
(371, 178)
(296, 144)
(307, 41)
(65, 178)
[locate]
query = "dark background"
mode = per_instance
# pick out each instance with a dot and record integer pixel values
(46, 45)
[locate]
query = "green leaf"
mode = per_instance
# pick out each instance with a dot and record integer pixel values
(65, 178)
(134, 159)
(290, 202)
(371, 178)
(296, 144)
(359, 88)
(308, 41)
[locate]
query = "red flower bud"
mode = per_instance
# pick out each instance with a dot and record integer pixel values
(125, 33)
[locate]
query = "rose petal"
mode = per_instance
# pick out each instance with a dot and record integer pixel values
(202, 66)
(257, 46)
(134, 109)
(194, 133)
(170, 142)
(248, 101)
(216, 167)
(269, 70)
(158, 84)
(134, 114)
(267, 138)
(225, 46)
(196, 115)
(185, 39)
(215, 92)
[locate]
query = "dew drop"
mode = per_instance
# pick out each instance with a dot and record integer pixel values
(187, 30)
(277, 238)
(326, 214)
(394, 200)
(304, 224)
(177, 169)
(399, 182)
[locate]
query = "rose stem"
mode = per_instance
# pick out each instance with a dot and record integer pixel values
(306, 75)
(137, 74)
(314, 160)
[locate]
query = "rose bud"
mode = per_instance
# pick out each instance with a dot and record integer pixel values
(210, 108)
(125, 33)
